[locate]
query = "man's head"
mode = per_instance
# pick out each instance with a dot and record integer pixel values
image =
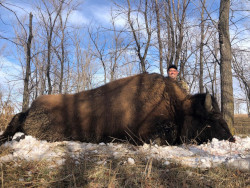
(172, 71)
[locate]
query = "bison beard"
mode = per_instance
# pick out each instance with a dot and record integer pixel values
(138, 109)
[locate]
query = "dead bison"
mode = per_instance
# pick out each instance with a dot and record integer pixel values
(139, 109)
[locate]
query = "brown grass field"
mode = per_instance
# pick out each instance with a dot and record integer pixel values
(242, 124)
(146, 173)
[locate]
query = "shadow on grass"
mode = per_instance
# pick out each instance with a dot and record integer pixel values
(102, 170)
(106, 171)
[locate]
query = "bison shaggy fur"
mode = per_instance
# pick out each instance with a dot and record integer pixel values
(138, 109)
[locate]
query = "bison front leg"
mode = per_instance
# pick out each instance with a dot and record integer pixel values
(166, 133)
(159, 131)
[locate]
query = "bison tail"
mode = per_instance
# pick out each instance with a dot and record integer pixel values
(14, 126)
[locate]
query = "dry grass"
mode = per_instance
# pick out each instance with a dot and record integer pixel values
(6, 114)
(240, 115)
(89, 172)
(114, 173)
(242, 124)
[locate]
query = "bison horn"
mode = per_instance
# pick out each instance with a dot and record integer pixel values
(208, 102)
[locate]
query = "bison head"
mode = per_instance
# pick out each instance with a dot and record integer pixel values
(203, 121)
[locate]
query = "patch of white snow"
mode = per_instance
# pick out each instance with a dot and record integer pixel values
(214, 153)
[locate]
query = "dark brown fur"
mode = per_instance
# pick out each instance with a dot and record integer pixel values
(138, 108)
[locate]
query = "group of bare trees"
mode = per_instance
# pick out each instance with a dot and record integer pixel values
(142, 36)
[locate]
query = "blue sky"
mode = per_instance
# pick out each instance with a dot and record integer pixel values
(96, 12)
(90, 11)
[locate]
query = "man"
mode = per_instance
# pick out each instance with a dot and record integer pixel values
(173, 73)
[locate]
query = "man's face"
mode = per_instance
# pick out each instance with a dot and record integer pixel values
(173, 73)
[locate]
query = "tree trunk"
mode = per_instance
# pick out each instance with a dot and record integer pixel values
(214, 83)
(227, 101)
(25, 105)
(180, 27)
(201, 85)
(139, 46)
(171, 34)
(49, 65)
(159, 35)
(62, 59)
(49, 23)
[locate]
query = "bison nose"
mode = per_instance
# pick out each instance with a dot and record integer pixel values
(232, 139)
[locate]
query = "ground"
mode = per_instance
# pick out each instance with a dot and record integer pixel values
(35, 163)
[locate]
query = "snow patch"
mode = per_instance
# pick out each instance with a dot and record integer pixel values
(214, 153)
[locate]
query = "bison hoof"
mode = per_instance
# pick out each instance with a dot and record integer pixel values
(232, 139)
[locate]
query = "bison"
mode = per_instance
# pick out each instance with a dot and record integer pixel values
(138, 109)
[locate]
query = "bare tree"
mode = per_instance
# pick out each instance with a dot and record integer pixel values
(83, 67)
(159, 36)
(242, 70)
(175, 17)
(49, 19)
(170, 32)
(227, 100)
(26, 92)
(117, 48)
(38, 81)
(22, 40)
(100, 49)
(201, 47)
(139, 43)
(214, 82)
(6, 6)
(179, 26)
(154, 30)
(61, 54)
